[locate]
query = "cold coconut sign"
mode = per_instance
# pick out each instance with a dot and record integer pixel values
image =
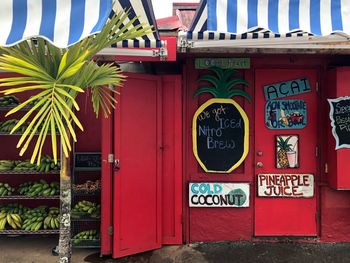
(220, 125)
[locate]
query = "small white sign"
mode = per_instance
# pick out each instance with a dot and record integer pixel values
(285, 185)
(219, 195)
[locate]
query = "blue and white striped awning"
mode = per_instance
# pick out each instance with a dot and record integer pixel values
(65, 22)
(144, 10)
(272, 20)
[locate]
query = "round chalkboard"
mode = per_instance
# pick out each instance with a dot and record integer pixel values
(220, 135)
(340, 121)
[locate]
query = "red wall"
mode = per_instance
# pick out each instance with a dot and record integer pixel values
(215, 224)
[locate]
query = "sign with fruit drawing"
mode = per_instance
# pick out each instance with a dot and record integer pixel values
(220, 127)
(287, 151)
(340, 121)
(285, 114)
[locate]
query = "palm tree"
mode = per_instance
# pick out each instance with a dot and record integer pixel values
(58, 76)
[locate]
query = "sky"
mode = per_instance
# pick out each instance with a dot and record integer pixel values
(163, 8)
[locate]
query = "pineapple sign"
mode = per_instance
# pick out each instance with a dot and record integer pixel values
(220, 128)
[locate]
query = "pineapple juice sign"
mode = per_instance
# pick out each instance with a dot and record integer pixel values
(285, 185)
(218, 195)
(220, 135)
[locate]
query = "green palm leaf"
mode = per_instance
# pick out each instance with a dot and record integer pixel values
(57, 77)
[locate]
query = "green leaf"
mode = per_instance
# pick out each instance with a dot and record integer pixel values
(210, 90)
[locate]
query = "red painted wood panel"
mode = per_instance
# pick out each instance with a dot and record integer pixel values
(106, 184)
(137, 185)
(213, 224)
(172, 160)
(286, 216)
(338, 160)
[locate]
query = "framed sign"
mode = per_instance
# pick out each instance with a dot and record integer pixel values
(218, 195)
(287, 151)
(285, 185)
(87, 161)
(224, 63)
(285, 114)
(286, 88)
(220, 134)
(340, 121)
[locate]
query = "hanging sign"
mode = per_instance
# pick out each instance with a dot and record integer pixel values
(220, 135)
(287, 88)
(340, 121)
(224, 63)
(219, 195)
(285, 114)
(285, 185)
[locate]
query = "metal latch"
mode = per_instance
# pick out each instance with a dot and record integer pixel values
(110, 158)
(116, 165)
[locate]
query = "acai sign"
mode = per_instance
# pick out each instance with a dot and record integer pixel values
(286, 88)
(218, 194)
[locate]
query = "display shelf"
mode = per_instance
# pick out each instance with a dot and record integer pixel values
(22, 197)
(25, 232)
(86, 243)
(84, 193)
(28, 172)
(8, 108)
(87, 169)
(85, 219)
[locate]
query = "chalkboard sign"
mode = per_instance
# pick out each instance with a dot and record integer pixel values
(87, 161)
(220, 135)
(340, 121)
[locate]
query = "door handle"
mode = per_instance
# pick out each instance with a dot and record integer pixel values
(259, 164)
(116, 165)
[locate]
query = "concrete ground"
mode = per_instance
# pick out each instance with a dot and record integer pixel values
(38, 250)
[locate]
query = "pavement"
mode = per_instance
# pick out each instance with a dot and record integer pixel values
(22, 249)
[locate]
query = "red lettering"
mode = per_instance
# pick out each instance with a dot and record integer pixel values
(285, 191)
(270, 192)
(306, 180)
(262, 178)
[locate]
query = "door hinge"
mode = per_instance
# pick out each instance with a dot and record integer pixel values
(317, 151)
(326, 168)
(110, 158)
(316, 86)
(110, 231)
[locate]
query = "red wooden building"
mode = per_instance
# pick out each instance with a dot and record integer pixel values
(151, 192)
(158, 186)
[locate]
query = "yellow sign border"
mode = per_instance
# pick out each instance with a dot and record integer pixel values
(246, 130)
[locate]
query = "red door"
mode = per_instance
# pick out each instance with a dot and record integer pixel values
(137, 184)
(285, 215)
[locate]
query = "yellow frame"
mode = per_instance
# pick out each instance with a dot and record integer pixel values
(246, 135)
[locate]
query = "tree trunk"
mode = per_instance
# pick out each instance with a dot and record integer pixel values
(65, 248)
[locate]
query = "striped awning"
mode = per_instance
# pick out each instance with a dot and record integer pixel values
(65, 22)
(270, 21)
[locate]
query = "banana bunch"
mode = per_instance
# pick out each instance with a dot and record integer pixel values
(24, 166)
(85, 235)
(47, 164)
(5, 189)
(40, 188)
(6, 101)
(8, 125)
(52, 220)
(6, 165)
(86, 208)
(34, 218)
(12, 215)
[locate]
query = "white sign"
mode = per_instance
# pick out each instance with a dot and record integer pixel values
(219, 195)
(286, 185)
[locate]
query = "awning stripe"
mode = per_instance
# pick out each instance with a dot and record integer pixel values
(143, 9)
(62, 22)
(318, 17)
